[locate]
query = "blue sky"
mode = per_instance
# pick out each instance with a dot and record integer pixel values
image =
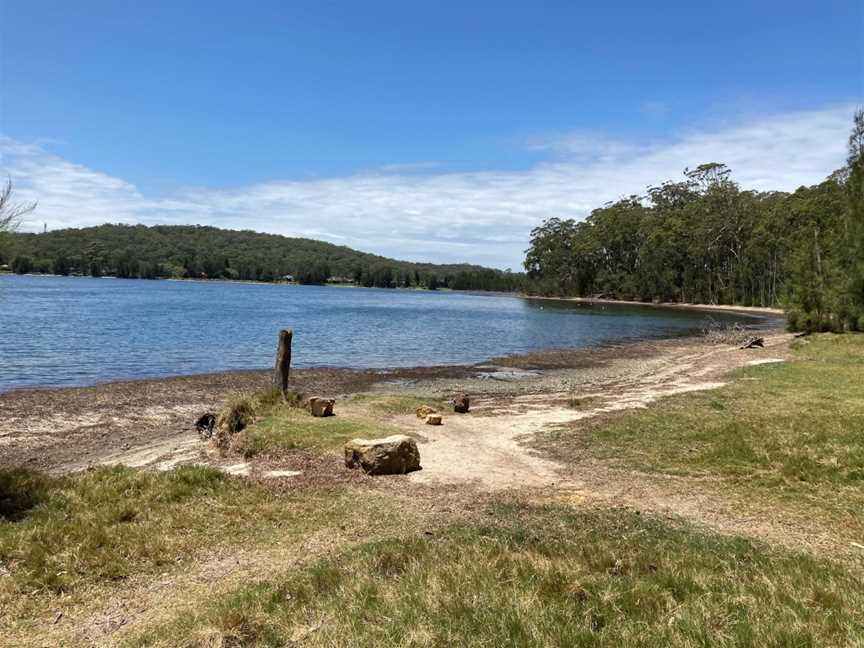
(437, 130)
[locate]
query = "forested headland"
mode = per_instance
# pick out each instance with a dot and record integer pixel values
(191, 251)
(705, 240)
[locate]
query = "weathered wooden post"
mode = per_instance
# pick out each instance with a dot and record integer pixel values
(283, 361)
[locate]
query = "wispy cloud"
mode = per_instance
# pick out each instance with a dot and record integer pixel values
(414, 213)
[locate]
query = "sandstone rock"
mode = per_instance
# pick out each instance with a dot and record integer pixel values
(433, 419)
(461, 404)
(321, 406)
(425, 410)
(393, 455)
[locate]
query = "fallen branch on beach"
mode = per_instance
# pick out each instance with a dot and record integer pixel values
(753, 343)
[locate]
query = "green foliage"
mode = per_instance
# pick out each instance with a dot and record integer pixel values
(704, 240)
(137, 251)
(22, 264)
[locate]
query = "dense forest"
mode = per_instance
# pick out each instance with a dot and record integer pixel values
(163, 251)
(705, 240)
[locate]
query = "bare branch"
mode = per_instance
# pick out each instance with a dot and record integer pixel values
(11, 213)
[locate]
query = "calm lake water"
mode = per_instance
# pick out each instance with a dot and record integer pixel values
(57, 331)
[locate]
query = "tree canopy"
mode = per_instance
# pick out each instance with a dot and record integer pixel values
(191, 251)
(703, 239)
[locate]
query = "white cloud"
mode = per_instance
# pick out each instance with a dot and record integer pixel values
(483, 217)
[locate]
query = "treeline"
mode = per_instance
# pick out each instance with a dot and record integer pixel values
(163, 251)
(704, 240)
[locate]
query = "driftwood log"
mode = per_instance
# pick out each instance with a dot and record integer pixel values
(753, 342)
(283, 361)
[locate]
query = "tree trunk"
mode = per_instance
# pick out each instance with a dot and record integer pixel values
(283, 360)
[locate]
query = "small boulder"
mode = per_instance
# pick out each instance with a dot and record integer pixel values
(424, 410)
(433, 419)
(461, 404)
(393, 455)
(321, 406)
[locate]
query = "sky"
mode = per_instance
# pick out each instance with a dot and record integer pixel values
(435, 131)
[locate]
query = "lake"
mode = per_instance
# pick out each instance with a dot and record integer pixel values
(63, 331)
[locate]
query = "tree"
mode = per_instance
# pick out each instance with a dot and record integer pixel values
(11, 213)
(705, 240)
(853, 260)
(207, 252)
(60, 266)
(22, 265)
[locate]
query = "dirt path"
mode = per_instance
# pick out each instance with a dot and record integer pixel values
(484, 447)
(488, 448)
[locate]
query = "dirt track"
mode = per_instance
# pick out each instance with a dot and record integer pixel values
(484, 447)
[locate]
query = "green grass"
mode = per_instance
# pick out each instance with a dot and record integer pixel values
(399, 405)
(505, 574)
(103, 524)
(63, 536)
(276, 427)
(288, 428)
(791, 432)
(538, 576)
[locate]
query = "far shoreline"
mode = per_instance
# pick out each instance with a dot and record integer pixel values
(763, 311)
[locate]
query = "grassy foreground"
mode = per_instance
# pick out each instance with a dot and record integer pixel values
(404, 567)
(789, 434)
(81, 538)
(539, 576)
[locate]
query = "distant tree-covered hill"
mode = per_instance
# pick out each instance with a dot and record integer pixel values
(192, 251)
